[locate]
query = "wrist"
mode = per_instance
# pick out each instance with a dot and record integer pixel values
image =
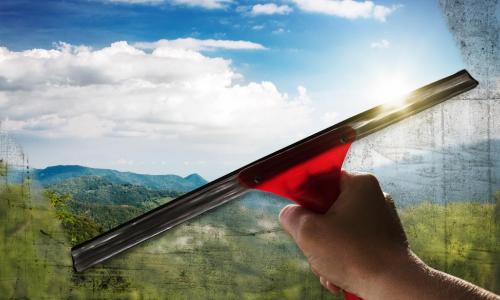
(400, 274)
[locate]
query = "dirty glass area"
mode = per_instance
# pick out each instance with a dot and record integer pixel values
(442, 167)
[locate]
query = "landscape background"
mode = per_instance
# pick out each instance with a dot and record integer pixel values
(441, 167)
(237, 251)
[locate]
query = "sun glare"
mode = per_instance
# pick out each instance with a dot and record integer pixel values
(389, 89)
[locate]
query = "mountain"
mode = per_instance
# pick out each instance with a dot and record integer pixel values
(106, 203)
(95, 189)
(457, 173)
(56, 174)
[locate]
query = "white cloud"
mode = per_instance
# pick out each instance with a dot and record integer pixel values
(381, 12)
(382, 44)
(152, 2)
(271, 9)
(171, 91)
(258, 27)
(209, 4)
(349, 9)
(200, 45)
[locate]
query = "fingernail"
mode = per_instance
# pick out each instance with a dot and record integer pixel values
(283, 212)
(322, 281)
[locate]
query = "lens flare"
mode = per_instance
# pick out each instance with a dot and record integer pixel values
(389, 89)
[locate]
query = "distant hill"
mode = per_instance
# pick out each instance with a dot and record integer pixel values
(56, 174)
(95, 189)
(107, 203)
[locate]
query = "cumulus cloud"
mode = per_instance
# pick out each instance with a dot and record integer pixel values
(271, 9)
(200, 45)
(209, 4)
(349, 9)
(171, 90)
(382, 44)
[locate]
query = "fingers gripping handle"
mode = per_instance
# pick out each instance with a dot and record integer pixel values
(309, 174)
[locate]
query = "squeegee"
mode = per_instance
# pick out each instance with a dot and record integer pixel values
(306, 172)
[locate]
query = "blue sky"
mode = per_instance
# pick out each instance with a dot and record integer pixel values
(305, 64)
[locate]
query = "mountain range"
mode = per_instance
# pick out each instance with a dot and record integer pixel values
(57, 174)
(459, 172)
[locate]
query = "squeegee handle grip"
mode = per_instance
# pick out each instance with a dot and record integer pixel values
(328, 186)
(307, 173)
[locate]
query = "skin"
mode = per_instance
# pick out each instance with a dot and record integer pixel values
(360, 246)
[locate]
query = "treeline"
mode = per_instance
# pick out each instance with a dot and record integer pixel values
(90, 205)
(100, 190)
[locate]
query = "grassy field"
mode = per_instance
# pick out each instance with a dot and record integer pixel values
(235, 252)
(462, 239)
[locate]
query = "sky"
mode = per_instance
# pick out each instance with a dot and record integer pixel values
(203, 86)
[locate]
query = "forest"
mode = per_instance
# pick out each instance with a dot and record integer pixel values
(235, 252)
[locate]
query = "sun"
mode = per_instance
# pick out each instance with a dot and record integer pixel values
(389, 89)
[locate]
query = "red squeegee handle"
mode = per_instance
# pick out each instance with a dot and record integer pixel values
(308, 173)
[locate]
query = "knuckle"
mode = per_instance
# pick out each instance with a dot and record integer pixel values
(307, 223)
(308, 229)
(360, 180)
(366, 180)
(367, 185)
(369, 179)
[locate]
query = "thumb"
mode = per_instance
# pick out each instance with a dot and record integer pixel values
(292, 218)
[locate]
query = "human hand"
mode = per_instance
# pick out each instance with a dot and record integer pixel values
(353, 244)
(360, 246)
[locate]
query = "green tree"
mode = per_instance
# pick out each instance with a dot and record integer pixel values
(78, 228)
